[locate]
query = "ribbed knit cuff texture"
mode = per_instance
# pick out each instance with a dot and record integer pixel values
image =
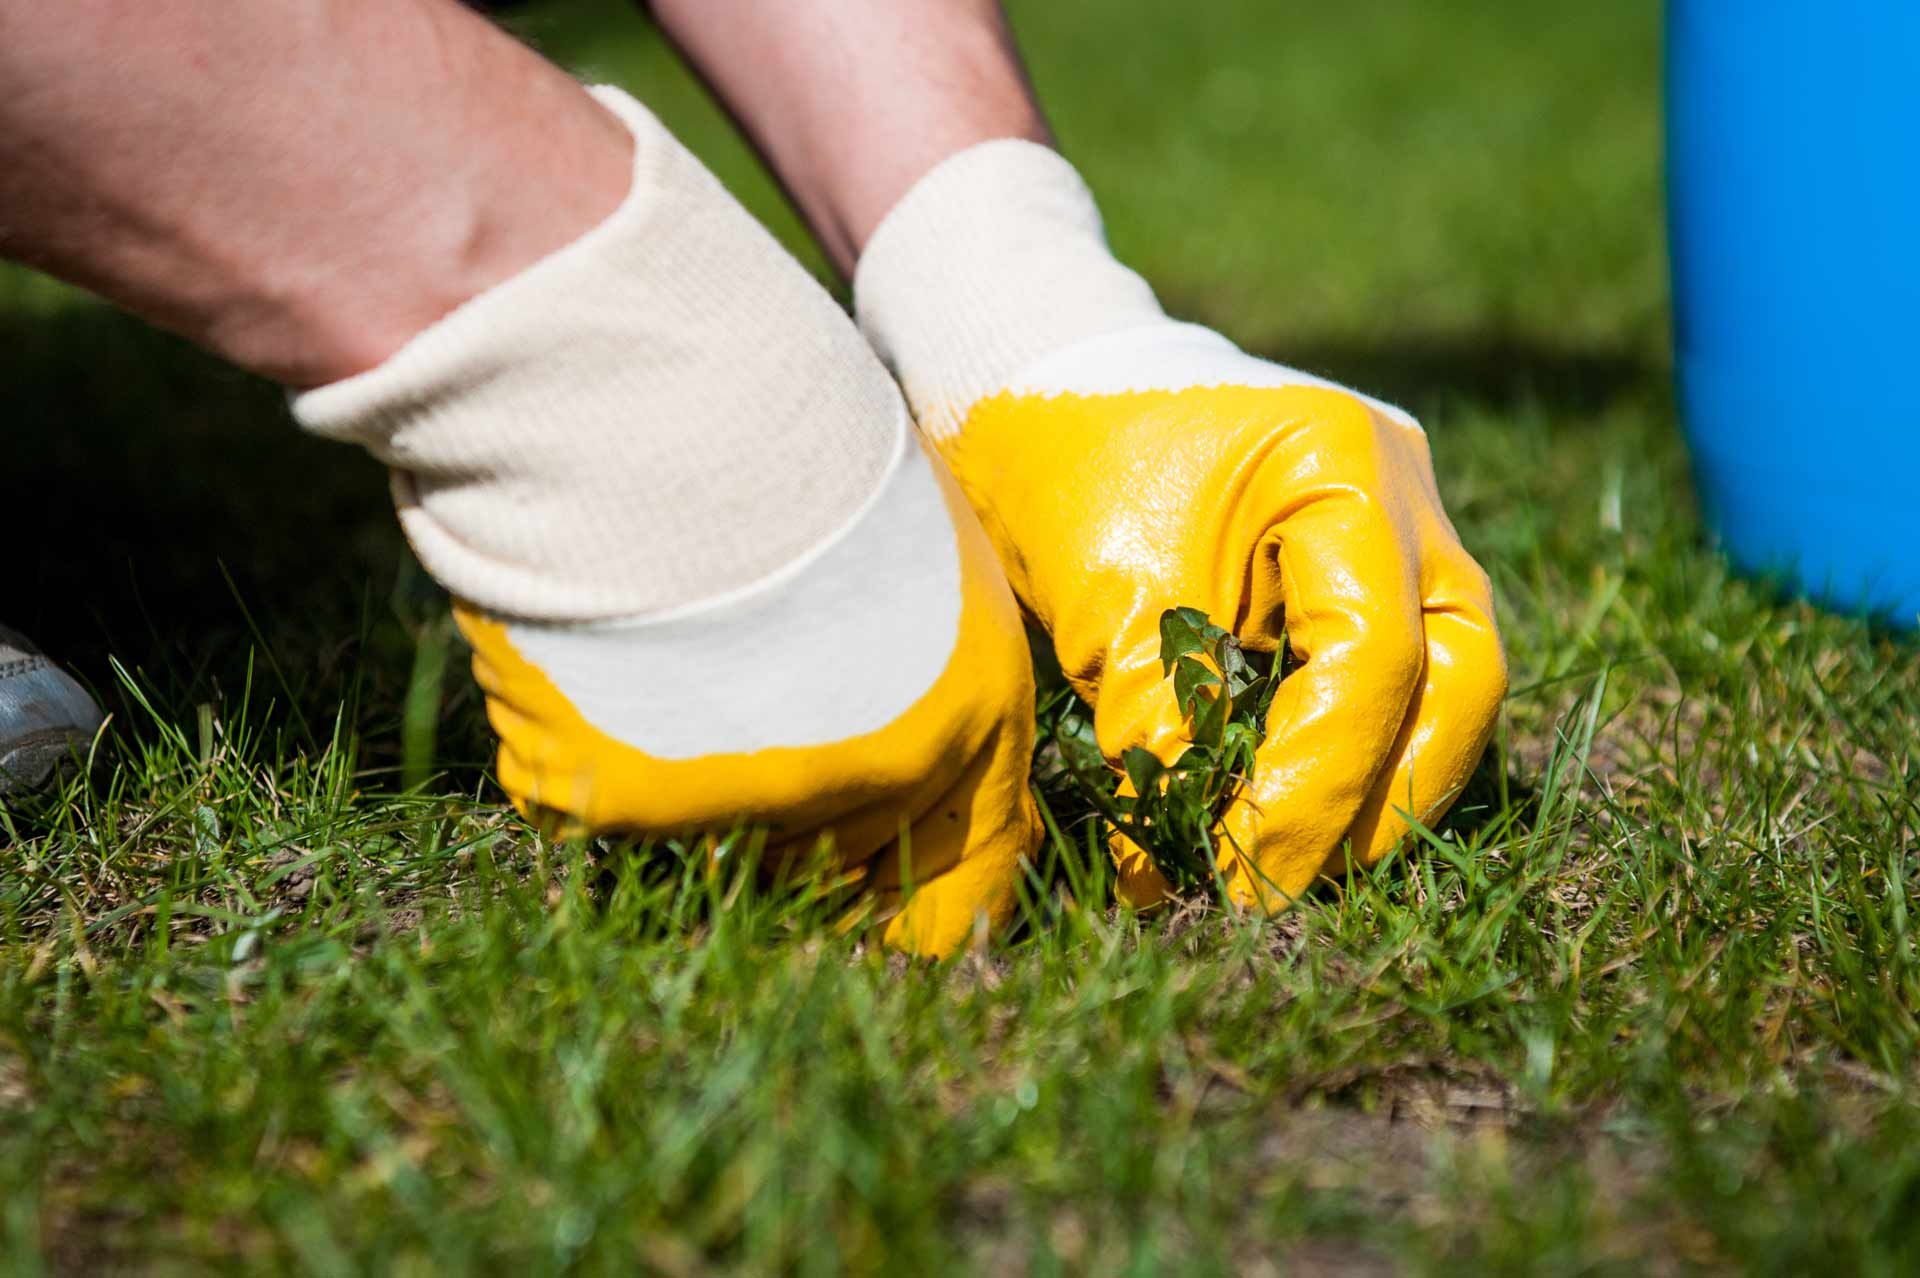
(667, 410)
(993, 260)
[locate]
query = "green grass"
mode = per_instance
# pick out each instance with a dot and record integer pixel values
(1648, 1005)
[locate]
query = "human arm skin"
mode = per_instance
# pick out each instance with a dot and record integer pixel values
(298, 186)
(852, 101)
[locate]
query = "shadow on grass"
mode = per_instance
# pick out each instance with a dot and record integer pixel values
(137, 466)
(1499, 788)
(160, 506)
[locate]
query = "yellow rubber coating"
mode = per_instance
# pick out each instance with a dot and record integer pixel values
(1295, 511)
(936, 799)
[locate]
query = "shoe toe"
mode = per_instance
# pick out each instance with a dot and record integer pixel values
(44, 716)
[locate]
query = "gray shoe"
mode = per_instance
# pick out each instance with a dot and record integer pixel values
(44, 715)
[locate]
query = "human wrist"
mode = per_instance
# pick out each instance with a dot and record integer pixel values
(852, 102)
(992, 261)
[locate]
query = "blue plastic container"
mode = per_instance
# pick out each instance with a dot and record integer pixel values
(1793, 187)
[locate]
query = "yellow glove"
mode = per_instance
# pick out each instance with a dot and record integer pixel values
(709, 573)
(883, 702)
(1124, 464)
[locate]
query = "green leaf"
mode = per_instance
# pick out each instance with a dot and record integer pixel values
(1210, 720)
(1240, 672)
(1143, 769)
(1182, 633)
(1239, 739)
(1223, 692)
(1189, 677)
(1074, 735)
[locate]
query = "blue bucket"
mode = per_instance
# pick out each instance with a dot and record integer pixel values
(1793, 192)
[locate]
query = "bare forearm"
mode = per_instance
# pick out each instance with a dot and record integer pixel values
(297, 185)
(851, 101)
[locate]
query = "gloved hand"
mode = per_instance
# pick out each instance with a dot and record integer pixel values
(1124, 464)
(707, 569)
(884, 701)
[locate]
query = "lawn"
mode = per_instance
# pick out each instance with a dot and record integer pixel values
(283, 985)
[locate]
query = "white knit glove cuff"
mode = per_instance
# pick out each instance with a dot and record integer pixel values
(666, 411)
(994, 260)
